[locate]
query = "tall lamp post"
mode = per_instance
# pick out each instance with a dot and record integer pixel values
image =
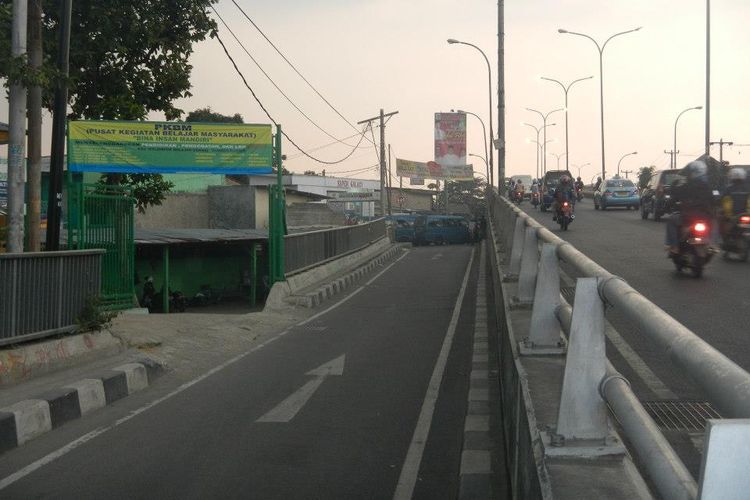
(490, 173)
(579, 167)
(565, 90)
(489, 79)
(623, 156)
(601, 77)
(540, 147)
(674, 145)
(544, 128)
(537, 130)
(486, 165)
(558, 156)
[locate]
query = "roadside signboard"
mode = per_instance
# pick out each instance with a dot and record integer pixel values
(416, 181)
(3, 194)
(169, 147)
(355, 196)
(450, 139)
(433, 170)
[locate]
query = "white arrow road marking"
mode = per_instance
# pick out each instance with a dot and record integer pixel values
(436, 256)
(287, 409)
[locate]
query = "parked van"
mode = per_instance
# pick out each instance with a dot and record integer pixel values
(440, 230)
(403, 226)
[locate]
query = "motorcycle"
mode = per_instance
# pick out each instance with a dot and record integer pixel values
(737, 240)
(694, 249)
(565, 215)
(518, 197)
(535, 199)
(154, 301)
(579, 193)
(206, 296)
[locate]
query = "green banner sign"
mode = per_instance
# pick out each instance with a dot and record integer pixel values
(169, 147)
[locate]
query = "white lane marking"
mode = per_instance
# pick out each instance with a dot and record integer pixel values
(288, 409)
(60, 452)
(355, 292)
(436, 256)
(408, 477)
(636, 363)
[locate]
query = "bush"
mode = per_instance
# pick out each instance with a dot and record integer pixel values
(93, 317)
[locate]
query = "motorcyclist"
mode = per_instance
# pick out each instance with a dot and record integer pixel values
(579, 183)
(520, 188)
(735, 200)
(695, 200)
(598, 183)
(563, 192)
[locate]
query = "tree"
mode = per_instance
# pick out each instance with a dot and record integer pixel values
(644, 175)
(127, 58)
(467, 193)
(308, 172)
(206, 115)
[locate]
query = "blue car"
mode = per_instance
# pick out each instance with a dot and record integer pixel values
(440, 230)
(616, 193)
(403, 226)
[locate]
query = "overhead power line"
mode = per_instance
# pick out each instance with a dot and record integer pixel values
(244, 80)
(294, 67)
(273, 82)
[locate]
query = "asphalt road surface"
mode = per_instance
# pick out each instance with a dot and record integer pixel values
(716, 307)
(327, 410)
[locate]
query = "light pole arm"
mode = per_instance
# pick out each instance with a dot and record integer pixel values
(576, 81)
(618, 34)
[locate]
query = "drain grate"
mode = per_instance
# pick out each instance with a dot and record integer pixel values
(681, 415)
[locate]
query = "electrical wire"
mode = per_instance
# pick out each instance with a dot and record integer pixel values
(294, 67)
(273, 82)
(364, 132)
(317, 148)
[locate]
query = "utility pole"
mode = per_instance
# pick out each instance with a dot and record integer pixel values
(626, 172)
(721, 143)
(382, 116)
(708, 77)
(54, 199)
(35, 128)
(500, 96)
(17, 133)
(672, 157)
(389, 179)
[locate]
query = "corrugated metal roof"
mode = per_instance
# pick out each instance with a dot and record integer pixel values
(180, 236)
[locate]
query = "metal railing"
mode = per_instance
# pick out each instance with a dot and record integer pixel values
(305, 250)
(42, 293)
(725, 383)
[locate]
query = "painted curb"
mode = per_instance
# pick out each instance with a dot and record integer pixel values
(31, 418)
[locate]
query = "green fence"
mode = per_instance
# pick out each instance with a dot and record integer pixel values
(102, 216)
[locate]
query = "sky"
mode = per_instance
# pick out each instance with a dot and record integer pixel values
(364, 55)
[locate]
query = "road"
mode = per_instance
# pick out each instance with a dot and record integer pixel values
(716, 307)
(327, 409)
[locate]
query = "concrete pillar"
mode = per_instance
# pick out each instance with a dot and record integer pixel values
(517, 248)
(544, 333)
(529, 265)
(583, 412)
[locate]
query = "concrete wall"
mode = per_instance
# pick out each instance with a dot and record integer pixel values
(312, 214)
(232, 207)
(261, 205)
(178, 210)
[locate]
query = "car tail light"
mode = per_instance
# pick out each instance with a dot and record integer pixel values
(700, 228)
(745, 219)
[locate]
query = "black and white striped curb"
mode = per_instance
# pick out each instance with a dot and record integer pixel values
(30, 418)
(316, 297)
(476, 480)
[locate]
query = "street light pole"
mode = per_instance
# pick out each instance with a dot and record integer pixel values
(623, 156)
(565, 90)
(601, 78)
(558, 156)
(490, 174)
(579, 167)
(674, 147)
(486, 165)
(544, 128)
(489, 79)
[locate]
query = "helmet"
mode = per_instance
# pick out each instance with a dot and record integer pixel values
(696, 169)
(564, 179)
(520, 181)
(737, 174)
(578, 178)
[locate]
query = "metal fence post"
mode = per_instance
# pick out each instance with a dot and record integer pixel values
(516, 252)
(583, 413)
(544, 333)
(529, 264)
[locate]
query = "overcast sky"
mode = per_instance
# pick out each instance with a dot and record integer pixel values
(363, 55)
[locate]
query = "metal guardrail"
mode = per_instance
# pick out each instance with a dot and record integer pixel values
(305, 250)
(42, 293)
(725, 383)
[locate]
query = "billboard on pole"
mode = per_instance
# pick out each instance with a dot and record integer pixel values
(433, 170)
(450, 139)
(168, 147)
